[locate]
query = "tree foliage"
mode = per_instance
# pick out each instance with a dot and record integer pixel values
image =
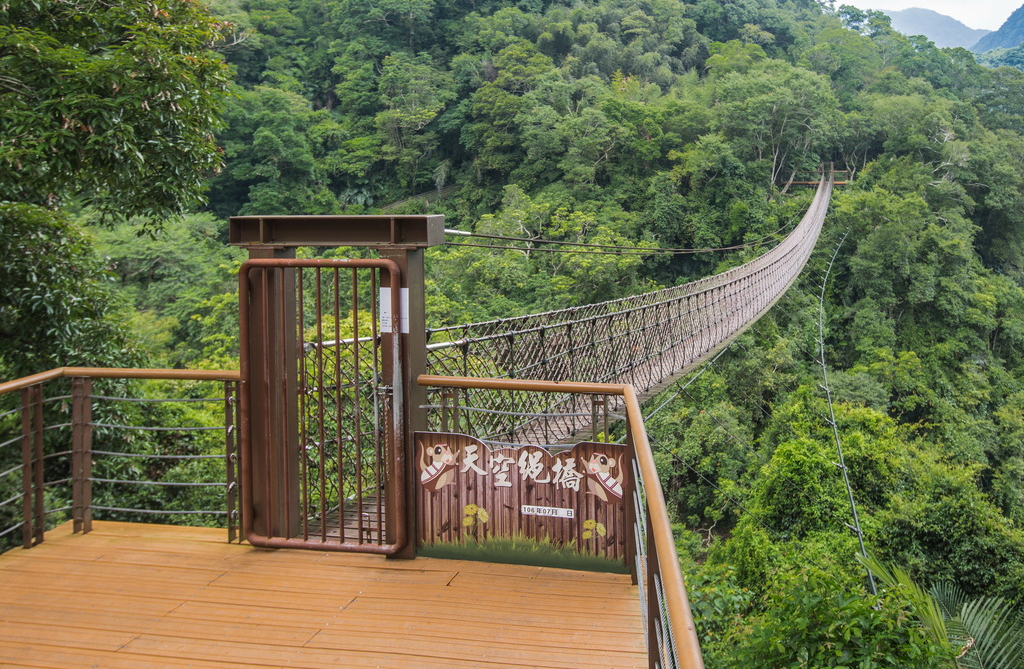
(113, 103)
(59, 306)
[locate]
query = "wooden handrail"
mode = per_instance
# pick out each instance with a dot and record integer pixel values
(120, 373)
(683, 629)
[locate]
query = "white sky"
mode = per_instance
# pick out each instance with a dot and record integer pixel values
(978, 14)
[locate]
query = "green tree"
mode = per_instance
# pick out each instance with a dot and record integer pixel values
(114, 103)
(846, 57)
(272, 168)
(778, 115)
(413, 93)
(814, 620)
(58, 306)
(733, 56)
(496, 106)
(176, 280)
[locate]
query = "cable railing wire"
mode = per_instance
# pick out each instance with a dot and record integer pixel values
(156, 456)
(152, 428)
(178, 484)
(149, 400)
(170, 512)
(56, 443)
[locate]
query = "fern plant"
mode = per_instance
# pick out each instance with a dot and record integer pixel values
(983, 632)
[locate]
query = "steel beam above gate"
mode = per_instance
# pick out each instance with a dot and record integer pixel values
(373, 231)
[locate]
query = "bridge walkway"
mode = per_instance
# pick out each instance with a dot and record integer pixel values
(131, 596)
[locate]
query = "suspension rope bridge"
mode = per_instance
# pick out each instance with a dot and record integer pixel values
(647, 340)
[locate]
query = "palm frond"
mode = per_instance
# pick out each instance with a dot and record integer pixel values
(985, 632)
(950, 596)
(925, 605)
(998, 631)
(964, 645)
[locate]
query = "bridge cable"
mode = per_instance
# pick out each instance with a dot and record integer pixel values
(794, 486)
(832, 414)
(761, 405)
(626, 250)
(761, 461)
(775, 533)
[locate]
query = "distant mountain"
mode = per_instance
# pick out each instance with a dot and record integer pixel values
(939, 28)
(1009, 35)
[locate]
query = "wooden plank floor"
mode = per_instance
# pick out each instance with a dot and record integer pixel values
(134, 596)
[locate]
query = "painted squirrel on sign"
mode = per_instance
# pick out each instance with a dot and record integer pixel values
(437, 465)
(601, 481)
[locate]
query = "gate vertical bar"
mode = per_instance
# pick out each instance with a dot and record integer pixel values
(295, 444)
(377, 418)
(339, 439)
(320, 435)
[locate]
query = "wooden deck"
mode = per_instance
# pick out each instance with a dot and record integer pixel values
(133, 596)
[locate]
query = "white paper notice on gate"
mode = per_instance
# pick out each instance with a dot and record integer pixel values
(385, 310)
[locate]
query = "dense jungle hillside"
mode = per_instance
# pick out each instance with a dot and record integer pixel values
(626, 123)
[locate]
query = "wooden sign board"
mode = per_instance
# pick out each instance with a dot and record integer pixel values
(472, 496)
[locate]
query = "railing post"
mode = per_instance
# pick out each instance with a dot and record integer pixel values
(39, 508)
(414, 362)
(231, 456)
(27, 466)
(81, 454)
(630, 496)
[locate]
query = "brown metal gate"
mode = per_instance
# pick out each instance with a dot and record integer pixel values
(322, 443)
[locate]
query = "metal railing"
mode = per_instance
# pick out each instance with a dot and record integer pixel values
(89, 451)
(669, 628)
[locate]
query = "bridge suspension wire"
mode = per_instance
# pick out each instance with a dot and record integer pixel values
(829, 419)
(681, 388)
(736, 503)
(832, 415)
(626, 250)
(793, 486)
(646, 340)
(686, 380)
